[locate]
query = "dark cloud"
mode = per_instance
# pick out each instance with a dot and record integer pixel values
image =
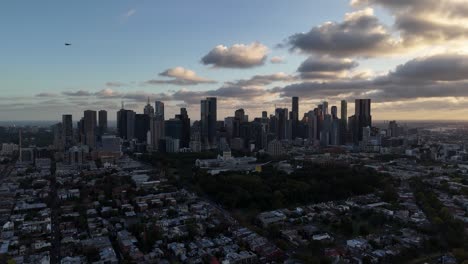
(77, 93)
(444, 75)
(237, 56)
(115, 84)
(443, 67)
(261, 80)
(360, 34)
(325, 68)
(46, 95)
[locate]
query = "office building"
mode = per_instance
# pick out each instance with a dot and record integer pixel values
(281, 116)
(102, 114)
(363, 118)
(126, 124)
(149, 109)
(156, 131)
(142, 126)
(89, 126)
(159, 109)
(208, 118)
(67, 131)
(184, 118)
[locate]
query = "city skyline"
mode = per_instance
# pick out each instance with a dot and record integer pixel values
(408, 57)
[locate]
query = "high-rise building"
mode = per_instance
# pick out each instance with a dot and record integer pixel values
(142, 126)
(159, 109)
(325, 108)
(126, 124)
(344, 121)
(281, 115)
(363, 117)
(184, 118)
(67, 131)
(173, 128)
(58, 134)
(208, 118)
(90, 125)
(156, 131)
(149, 109)
(102, 122)
(294, 117)
(344, 112)
(334, 112)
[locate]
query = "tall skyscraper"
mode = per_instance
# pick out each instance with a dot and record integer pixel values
(90, 125)
(184, 118)
(334, 112)
(67, 131)
(159, 109)
(126, 124)
(142, 126)
(325, 108)
(149, 109)
(208, 118)
(156, 131)
(294, 117)
(281, 115)
(363, 117)
(102, 122)
(58, 134)
(344, 112)
(344, 121)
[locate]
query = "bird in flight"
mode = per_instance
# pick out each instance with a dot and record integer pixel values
(67, 44)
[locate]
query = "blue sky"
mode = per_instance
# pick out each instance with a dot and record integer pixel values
(131, 42)
(109, 46)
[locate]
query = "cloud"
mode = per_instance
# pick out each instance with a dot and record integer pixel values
(360, 35)
(181, 76)
(426, 22)
(261, 80)
(129, 13)
(77, 93)
(108, 93)
(237, 56)
(441, 67)
(442, 75)
(46, 95)
(277, 60)
(115, 84)
(325, 67)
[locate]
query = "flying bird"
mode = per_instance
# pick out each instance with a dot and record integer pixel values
(67, 44)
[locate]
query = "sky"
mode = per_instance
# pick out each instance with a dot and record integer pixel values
(409, 56)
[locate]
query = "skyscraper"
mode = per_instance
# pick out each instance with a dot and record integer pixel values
(363, 117)
(295, 117)
(208, 117)
(325, 108)
(334, 112)
(281, 115)
(344, 112)
(159, 109)
(89, 126)
(67, 131)
(149, 109)
(142, 126)
(126, 124)
(343, 121)
(102, 122)
(184, 118)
